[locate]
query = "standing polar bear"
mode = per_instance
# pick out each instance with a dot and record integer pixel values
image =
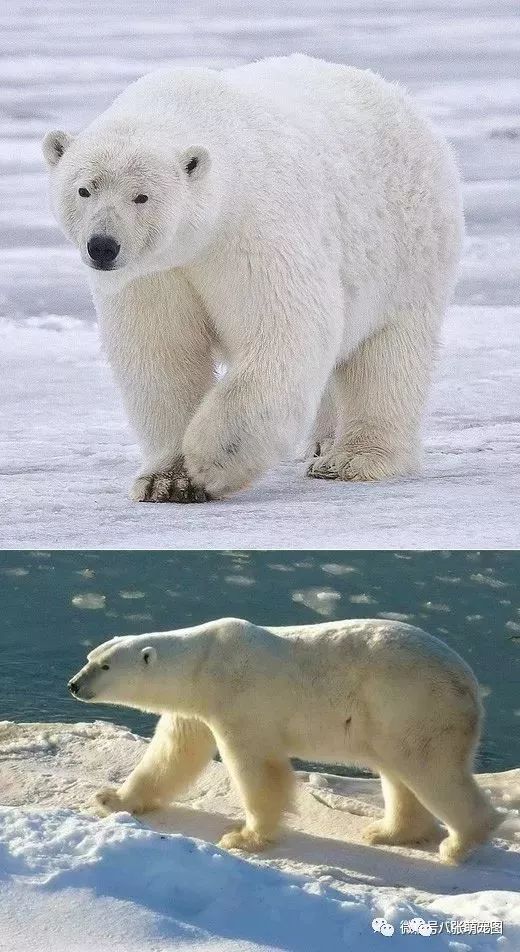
(294, 218)
(379, 694)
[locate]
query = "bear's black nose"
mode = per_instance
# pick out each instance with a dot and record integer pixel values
(103, 250)
(73, 687)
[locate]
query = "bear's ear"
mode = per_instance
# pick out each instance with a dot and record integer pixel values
(54, 145)
(195, 162)
(149, 656)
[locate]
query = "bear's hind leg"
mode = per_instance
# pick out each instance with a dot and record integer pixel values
(178, 752)
(405, 820)
(265, 786)
(455, 798)
(381, 391)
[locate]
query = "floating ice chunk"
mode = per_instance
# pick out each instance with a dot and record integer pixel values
(335, 568)
(322, 601)
(488, 580)
(241, 580)
(89, 600)
(512, 626)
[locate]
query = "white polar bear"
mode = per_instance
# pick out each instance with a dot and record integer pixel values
(297, 219)
(379, 694)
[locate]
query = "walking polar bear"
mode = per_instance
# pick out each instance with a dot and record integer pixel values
(295, 219)
(379, 694)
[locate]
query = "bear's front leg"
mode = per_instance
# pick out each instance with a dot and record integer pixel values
(227, 445)
(251, 420)
(281, 327)
(178, 752)
(156, 336)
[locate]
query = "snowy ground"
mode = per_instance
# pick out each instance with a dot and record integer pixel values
(71, 881)
(67, 452)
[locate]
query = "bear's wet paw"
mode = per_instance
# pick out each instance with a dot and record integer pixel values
(173, 485)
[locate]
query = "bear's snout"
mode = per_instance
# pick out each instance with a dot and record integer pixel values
(80, 688)
(103, 251)
(73, 686)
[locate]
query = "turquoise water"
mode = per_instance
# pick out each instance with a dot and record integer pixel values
(56, 605)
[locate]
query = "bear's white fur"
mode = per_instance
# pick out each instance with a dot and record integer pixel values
(379, 694)
(304, 223)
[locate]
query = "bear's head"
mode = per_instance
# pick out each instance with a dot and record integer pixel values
(155, 672)
(118, 672)
(129, 207)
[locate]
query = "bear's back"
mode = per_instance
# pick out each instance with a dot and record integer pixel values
(376, 641)
(314, 95)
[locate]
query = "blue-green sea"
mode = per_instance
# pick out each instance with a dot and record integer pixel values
(54, 606)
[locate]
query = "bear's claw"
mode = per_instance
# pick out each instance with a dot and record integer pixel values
(320, 470)
(173, 485)
(355, 466)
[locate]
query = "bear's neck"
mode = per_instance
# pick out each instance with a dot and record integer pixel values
(177, 683)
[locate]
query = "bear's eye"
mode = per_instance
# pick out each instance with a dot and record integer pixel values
(84, 192)
(105, 667)
(140, 199)
(192, 165)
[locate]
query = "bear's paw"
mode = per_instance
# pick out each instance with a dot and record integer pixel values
(107, 800)
(244, 839)
(378, 833)
(172, 485)
(360, 463)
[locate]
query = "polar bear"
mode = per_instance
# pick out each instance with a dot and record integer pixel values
(293, 219)
(379, 694)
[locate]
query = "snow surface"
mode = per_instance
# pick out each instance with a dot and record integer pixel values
(68, 456)
(71, 881)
